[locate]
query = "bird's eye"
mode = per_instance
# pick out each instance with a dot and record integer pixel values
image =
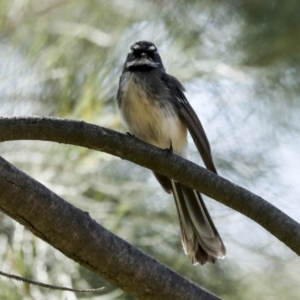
(137, 52)
(150, 53)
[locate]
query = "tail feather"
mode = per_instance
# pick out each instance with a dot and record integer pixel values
(200, 238)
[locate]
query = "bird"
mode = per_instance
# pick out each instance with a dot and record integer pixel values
(155, 110)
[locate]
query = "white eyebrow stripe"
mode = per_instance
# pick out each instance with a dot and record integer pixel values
(152, 48)
(136, 46)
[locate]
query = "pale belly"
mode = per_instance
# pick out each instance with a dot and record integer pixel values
(152, 123)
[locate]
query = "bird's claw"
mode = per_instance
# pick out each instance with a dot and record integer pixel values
(129, 134)
(169, 150)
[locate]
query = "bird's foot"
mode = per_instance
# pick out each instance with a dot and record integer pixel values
(129, 134)
(169, 150)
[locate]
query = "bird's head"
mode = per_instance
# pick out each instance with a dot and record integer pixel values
(143, 54)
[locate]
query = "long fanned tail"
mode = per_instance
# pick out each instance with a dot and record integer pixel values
(200, 238)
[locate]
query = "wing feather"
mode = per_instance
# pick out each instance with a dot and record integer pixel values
(191, 119)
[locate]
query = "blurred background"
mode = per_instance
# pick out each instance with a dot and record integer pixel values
(240, 63)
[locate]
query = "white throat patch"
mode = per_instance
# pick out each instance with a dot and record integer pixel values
(142, 62)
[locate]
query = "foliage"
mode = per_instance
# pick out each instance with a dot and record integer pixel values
(239, 61)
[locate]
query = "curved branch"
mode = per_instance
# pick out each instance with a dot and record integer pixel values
(79, 237)
(98, 138)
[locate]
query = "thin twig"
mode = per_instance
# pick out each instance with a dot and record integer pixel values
(50, 286)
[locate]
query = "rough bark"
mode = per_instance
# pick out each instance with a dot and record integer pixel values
(79, 237)
(98, 138)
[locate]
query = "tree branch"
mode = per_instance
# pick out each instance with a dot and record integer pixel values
(98, 138)
(79, 237)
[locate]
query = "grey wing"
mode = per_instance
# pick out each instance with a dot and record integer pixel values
(191, 119)
(119, 93)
